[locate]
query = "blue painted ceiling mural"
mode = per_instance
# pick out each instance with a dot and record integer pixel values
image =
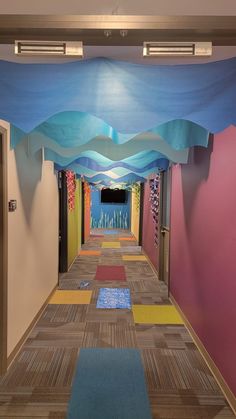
(116, 122)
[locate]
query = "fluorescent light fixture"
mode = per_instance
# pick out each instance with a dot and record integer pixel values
(49, 48)
(177, 49)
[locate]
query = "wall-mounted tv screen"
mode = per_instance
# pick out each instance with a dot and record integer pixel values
(113, 196)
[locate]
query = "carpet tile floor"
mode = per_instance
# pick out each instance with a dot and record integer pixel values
(39, 381)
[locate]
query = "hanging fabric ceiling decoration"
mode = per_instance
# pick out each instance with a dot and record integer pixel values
(129, 97)
(116, 172)
(116, 120)
(139, 165)
(95, 162)
(74, 129)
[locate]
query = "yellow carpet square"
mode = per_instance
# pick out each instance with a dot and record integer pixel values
(134, 257)
(110, 245)
(127, 239)
(156, 314)
(71, 297)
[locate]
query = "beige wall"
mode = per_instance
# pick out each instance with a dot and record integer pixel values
(32, 238)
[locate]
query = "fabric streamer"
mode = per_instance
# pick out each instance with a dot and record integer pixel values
(154, 185)
(71, 188)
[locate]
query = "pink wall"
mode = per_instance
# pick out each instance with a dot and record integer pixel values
(148, 229)
(203, 247)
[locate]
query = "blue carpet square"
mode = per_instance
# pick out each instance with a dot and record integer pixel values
(110, 232)
(109, 384)
(114, 298)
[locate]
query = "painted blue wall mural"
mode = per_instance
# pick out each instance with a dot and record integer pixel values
(109, 215)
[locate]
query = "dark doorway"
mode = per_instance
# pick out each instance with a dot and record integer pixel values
(63, 219)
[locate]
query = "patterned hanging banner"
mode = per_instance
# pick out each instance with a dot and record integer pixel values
(71, 188)
(87, 194)
(155, 200)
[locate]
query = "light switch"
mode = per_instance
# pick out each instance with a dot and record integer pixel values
(12, 205)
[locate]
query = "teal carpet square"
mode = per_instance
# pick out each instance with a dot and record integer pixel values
(110, 231)
(109, 384)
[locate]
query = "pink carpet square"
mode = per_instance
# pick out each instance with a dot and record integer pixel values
(110, 273)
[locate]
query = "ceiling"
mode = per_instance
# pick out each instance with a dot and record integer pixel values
(121, 7)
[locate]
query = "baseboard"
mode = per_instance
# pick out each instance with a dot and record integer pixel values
(21, 342)
(134, 235)
(150, 263)
(73, 261)
(209, 361)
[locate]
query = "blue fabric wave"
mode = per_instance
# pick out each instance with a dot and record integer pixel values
(117, 172)
(105, 146)
(129, 97)
(73, 129)
(103, 179)
(137, 163)
(128, 179)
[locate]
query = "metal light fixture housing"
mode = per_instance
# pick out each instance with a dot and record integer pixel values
(177, 49)
(49, 48)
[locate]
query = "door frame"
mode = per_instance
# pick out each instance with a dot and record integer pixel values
(82, 213)
(3, 249)
(63, 222)
(163, 229)
(141, 204)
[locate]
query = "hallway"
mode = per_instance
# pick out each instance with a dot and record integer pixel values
(179, 383)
